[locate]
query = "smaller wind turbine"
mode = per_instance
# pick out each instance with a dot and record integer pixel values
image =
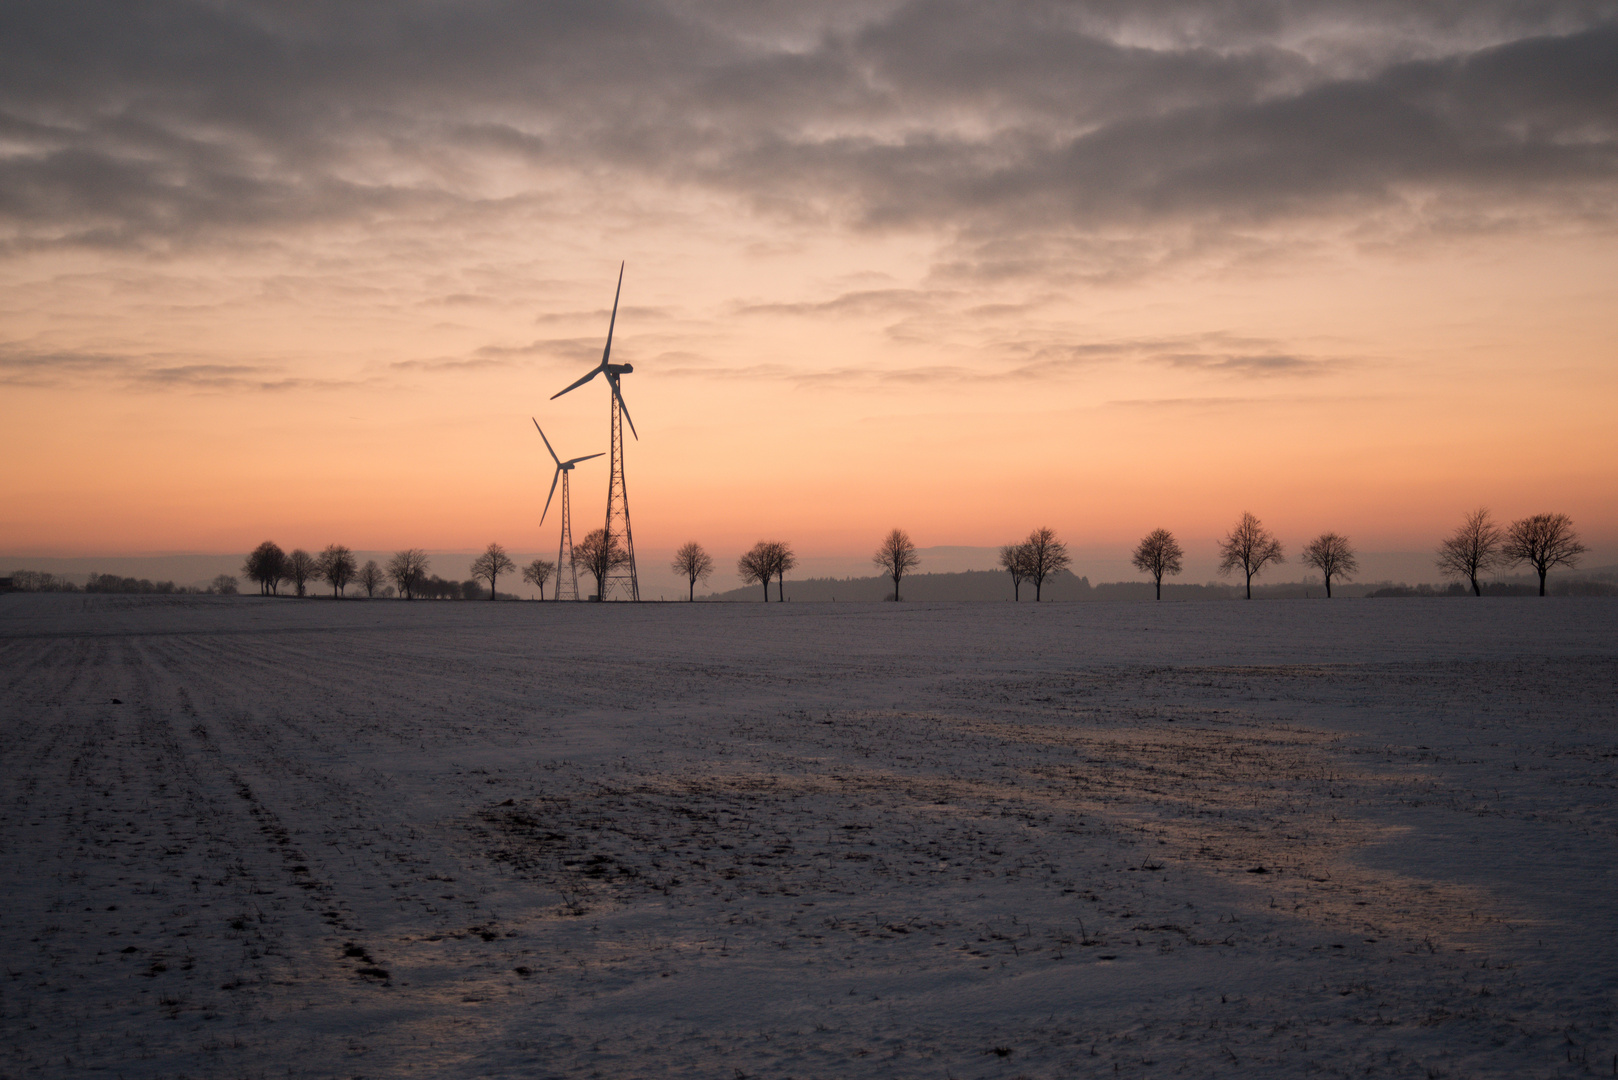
(563, 468)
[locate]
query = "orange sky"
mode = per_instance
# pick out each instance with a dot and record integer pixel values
(826, 344)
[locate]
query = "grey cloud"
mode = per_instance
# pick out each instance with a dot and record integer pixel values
(1029, 133)
(719, 371)
(572, 350)
(867, 302)
(452, 364)
(22, 365)
(1255, 365)
(1043, 359)
(207, 376)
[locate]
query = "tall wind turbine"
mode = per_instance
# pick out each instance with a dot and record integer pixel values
(570, 575)
(622, 579)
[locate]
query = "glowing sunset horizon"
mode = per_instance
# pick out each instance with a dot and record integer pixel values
(307, 276)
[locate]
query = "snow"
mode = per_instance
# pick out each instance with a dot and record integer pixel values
(810, 840)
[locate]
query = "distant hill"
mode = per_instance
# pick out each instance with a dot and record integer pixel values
(969, 585)
(995, 585)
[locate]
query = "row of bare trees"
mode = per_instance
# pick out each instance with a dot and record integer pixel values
(270, 567)
(1542, 541)
(767, 559)
(1038, 557)
(1249, 547)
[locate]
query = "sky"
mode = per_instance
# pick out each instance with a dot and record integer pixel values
(305, 271)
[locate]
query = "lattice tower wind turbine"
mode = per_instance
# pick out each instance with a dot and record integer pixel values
(621, 580)
(567, 573)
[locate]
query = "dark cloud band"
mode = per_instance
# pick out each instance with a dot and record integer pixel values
(1010, 127)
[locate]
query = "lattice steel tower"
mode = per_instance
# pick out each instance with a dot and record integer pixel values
(567, 572)
(621, 580)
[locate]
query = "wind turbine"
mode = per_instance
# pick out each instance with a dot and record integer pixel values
(623, 578)
(563, 468)
(611, 371)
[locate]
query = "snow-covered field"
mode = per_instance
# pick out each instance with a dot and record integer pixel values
(248, 838)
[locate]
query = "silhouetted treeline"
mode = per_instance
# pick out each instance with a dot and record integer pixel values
(40, 581)
(437, 588)
(43, 581)
(1566, 587)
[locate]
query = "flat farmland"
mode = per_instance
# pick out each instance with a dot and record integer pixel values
(266, 838)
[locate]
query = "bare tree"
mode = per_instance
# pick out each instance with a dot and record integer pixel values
(1046, 556)
(601, 554)
(1474, 549)
(1333, 556)
(758, 565)
(491, 564)
(223, 585)
(1249, 546)
(1014, 560)
(896, 557)
(1157, 554)
(408, 568)
(537, 573)
(782, 559)
(693, 564)
(370, 578)
(335, 566)
(1543, 541)
(266, 566)
(300, 568)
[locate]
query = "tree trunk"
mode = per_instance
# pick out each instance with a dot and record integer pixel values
(1328, 586)
(492, 579)
(691, 597)
(1038, 583)
(1542, 572)
(766, 590)
(1160, 586)
(1250, 584)
(1477, 590)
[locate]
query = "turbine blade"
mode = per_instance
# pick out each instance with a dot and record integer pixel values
(586, 457)
(593, 373)
(608, 350)
(625, 407)
(547, 446)
(552, 495)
